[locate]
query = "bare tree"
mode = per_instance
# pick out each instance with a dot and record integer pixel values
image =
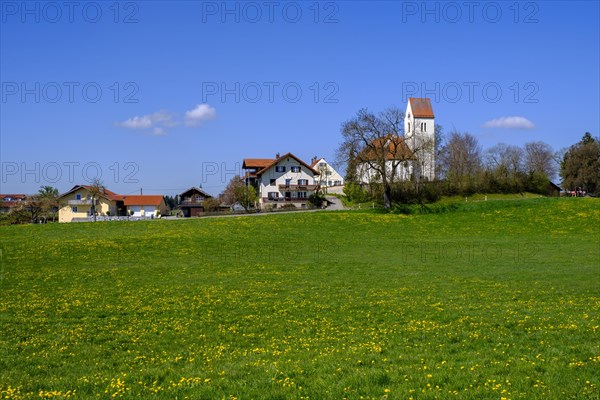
(461, 157)
(237, 191)
(376, 145)
(504, 159)
(29, 209)
(539, 158)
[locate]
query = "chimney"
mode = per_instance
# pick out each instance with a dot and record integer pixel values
(314, 160)
(277, 155)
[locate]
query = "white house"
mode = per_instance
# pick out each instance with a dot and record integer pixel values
(148, 206)
(328, 176)
(411, 156)
(282, 180)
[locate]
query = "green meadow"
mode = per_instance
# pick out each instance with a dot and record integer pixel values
(491, 300)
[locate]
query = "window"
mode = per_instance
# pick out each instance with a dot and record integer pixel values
(302, 181)
(424, 126)
(409, 126)
(272, 182)
(288, 182)
(280, 168)
(337, 183)
(302, 195)
(74, 209)
(328, 183)
(273, 195)
(78, 197)
(295, 169)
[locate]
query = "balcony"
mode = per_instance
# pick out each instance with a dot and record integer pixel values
(298, 188)
(192, 202)
(82, 202)
(284, 200)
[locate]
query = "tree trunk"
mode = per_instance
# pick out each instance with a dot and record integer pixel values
(387, 196)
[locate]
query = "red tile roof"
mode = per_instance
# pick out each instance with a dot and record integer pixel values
(106, 194)
(258, 163)
(421, 107)
(395, 149)
(142, 200)
(275, 161)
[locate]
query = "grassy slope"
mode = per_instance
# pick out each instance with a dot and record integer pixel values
(497, 301)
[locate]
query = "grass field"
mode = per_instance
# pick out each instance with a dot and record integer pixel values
(500, 300)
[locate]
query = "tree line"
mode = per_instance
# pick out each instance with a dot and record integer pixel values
(462, 166)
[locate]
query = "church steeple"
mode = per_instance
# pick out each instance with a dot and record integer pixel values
(419, 131)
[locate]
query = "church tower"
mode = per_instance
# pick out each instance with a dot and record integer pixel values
(419, 131)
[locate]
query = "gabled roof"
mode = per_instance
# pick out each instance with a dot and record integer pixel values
(421, 107)
(107, 193)
(142, 200)
(395, 149)
(316, 161)
(276, 161)
(256, 163)
(195, 189)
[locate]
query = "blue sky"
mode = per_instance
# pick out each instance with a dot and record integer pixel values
(164, 96)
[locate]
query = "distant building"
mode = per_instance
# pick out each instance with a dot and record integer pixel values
(191, 202)
(281, 180)
(8, 201)
(76, 205)
(328, 176)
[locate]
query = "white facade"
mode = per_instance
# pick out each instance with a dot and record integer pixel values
(366, 174)
(328, 176)
(286, 181)
(143, 211)
(420, 137)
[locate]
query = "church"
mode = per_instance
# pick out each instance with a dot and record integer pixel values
(411, 156)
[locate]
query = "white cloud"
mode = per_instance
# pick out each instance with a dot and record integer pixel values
(155, 123)
(142, 122)
(510, 123)
(202, 112)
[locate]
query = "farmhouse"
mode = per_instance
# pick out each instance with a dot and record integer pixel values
(192, 201)
(281, 180)
(408, 157)
(76, 204)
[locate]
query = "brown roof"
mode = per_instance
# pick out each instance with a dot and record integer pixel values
(195, 189)
(258, 163)
(275, 161)
(395, 149)
(142, 200)
(107, 193)
(421, 107)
